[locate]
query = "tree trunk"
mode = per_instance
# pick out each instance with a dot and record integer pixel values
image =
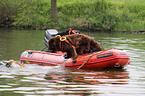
(53, 9)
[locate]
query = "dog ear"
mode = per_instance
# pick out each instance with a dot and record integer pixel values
(51, 44)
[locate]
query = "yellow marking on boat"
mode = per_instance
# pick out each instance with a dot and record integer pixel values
(27, 62)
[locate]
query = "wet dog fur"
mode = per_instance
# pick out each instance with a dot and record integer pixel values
(82, 44)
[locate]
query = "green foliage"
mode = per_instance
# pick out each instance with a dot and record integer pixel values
(109, 15)
(8, 9)
(32, 13)
(106, 15)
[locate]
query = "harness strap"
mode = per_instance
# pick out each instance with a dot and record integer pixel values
(64, 39)
(73, 31)
(70, 30)
(60, 45)
(70, 43)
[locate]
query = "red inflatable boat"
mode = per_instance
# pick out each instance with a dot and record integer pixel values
(112, 58)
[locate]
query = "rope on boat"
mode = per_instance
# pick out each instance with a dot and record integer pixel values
(89, 58)
(83, 58)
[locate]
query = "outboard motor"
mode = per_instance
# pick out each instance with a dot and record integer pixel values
(49, 34)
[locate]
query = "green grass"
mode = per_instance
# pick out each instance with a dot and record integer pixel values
(92, 15)
(112, 15)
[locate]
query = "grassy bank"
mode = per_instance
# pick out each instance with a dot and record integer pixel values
(94, 15)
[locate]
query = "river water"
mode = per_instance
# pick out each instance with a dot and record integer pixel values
(36, 80)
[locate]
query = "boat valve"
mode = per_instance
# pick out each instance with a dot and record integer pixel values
(117, 65)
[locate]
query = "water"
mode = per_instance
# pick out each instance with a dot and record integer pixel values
(36, 80)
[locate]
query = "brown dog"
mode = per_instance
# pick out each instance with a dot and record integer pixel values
(73, 44)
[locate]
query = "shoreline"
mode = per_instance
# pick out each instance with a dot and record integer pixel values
(17, 28)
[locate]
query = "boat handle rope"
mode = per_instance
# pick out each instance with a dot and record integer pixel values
(89, 59)
(83, 58)
(86, 60)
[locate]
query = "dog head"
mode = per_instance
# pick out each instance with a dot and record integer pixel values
(54, 44)
(68, 32)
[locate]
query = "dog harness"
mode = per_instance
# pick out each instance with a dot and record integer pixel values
(70, 30)
(64, 39)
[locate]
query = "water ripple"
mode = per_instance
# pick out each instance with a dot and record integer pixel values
(36, 80)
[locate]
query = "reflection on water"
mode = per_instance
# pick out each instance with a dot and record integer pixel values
(85, 77)
(45, 80)
(82, 82)
(36, 80)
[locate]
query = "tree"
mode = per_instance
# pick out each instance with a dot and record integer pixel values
(53, 9)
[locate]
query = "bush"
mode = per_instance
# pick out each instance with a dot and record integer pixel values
(8, 9)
